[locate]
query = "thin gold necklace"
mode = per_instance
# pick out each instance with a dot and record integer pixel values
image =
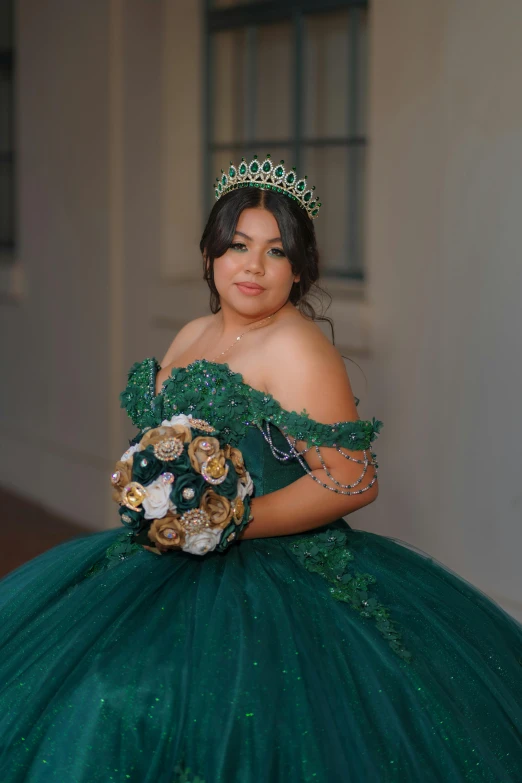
(257, 325)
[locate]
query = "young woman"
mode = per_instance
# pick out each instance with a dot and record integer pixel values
(302, 651)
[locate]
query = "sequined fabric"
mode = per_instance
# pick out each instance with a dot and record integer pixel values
(220, 395)
(332, 656)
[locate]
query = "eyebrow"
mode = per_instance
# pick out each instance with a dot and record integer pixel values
(268, 241)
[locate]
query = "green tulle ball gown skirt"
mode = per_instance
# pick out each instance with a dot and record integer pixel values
(335, 656)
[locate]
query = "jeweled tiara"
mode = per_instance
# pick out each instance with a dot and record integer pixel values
(269, 177)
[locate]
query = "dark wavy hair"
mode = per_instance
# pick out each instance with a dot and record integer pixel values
(299, 244)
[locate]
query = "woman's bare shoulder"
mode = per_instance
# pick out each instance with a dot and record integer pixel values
(297, 338)
(305, 370)
(187, 335)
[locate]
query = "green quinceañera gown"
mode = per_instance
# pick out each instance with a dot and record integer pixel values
(330, 656)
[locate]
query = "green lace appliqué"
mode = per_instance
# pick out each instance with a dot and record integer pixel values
(185, 775)
(120, 549)
(327, 554)
(138, 397)
(211, 390)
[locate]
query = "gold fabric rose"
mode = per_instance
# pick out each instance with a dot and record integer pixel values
(236, 458)
(201, 448)
(156, 435)
(218, 508)
(121, 476)
(167, 533)
(238, 510)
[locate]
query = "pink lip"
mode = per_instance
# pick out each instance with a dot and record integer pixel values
(250, 288)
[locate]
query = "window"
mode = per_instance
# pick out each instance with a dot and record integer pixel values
(7, 153)
(289, 78)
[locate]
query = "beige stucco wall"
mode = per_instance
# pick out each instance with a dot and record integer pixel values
(54, 347)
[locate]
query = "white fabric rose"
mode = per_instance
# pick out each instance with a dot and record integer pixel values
(157, 502)
(203, 542)
(130, 451)
(179, 419)
(245, 489)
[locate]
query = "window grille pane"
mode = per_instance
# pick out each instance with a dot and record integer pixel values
(335, 74)
(326, 75)
(361, 120)
(357, 210)
(273, 84)
(6, 206)
(338, 174)
(5, 112)
(229, 86)
(6, 24)
(327, 169)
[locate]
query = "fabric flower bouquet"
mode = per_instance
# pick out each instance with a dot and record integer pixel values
(180, 489)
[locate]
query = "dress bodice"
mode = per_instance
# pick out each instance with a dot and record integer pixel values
(212, 391)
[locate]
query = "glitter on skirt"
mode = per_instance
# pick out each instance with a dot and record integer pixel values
(332, 656)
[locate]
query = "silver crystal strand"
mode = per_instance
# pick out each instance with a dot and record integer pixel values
(282, 456)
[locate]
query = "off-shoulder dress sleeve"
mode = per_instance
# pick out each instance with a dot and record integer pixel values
(356, 435)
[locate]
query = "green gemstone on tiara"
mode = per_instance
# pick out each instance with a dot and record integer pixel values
(266, 176)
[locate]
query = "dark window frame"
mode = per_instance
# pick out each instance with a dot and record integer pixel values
(8, 157)
(251, 16)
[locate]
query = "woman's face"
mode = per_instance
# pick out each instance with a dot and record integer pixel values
(254, 276)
